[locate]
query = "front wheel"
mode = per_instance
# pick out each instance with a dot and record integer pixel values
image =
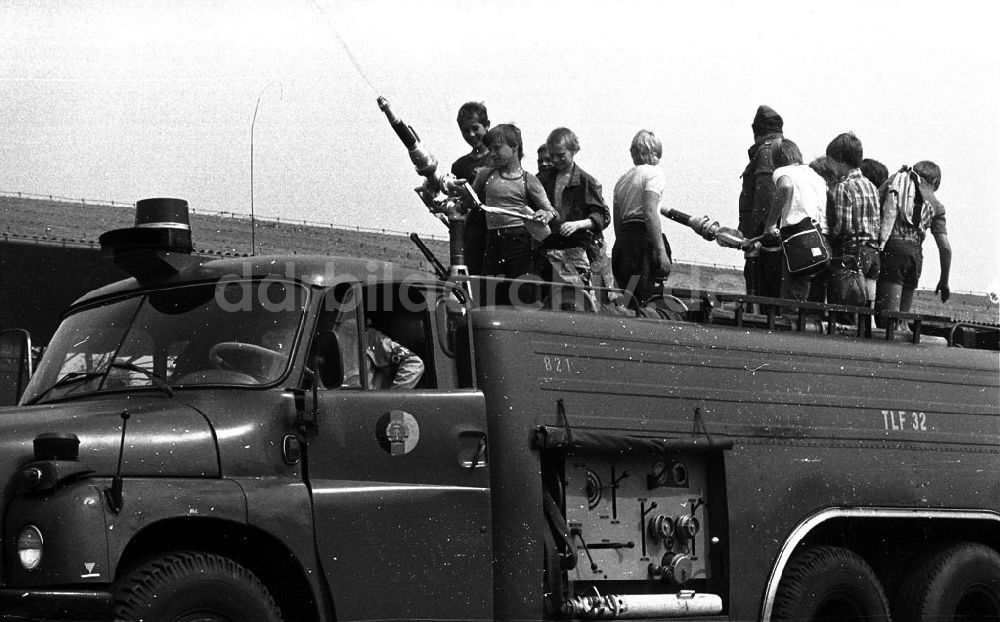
(957, 582)
(193, 587)
(828, 583)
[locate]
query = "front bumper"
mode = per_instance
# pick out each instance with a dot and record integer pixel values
(56, 605)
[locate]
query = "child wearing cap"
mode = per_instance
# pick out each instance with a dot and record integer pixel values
(762, 270)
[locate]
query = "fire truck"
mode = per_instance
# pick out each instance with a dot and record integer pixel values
(201, 442)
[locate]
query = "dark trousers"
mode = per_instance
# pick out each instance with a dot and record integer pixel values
(632, 262)
(795, 287)
(762, 274)
(821, 280)
(474, 238)
(509, 253)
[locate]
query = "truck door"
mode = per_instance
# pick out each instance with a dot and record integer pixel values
(399, 478)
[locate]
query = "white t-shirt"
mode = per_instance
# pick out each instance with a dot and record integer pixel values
(808, 196)
(632, 185)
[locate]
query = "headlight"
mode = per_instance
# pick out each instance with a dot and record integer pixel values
(29, 547)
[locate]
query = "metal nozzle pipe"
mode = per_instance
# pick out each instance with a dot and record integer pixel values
(708, 229)
(404, 131)
(425, 163)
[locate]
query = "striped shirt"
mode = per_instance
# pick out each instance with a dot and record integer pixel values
(913, 208)
(856, 211)
(902, 230)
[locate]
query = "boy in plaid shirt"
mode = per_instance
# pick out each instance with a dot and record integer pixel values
(856, 217)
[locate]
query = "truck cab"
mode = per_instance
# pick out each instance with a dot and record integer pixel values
(202, 420)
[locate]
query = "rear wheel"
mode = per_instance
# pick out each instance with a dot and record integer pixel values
(827, 583)
(193, 587)
(956, 582)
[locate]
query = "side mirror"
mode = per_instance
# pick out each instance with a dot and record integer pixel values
(15, 364)
(329, 365)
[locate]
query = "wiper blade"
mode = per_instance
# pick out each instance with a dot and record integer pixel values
(77, 376)
(67, 378)
(157, 380)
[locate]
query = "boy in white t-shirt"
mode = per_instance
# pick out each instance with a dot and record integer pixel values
(801, 194)
(640, 251)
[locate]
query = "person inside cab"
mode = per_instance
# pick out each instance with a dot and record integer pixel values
(389, 364)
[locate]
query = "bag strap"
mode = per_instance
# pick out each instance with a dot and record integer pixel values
(856, 225)
(527, 195)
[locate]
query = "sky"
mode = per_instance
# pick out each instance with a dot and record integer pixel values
(122, 100)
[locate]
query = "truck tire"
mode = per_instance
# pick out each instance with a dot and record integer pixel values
(191, 586)
(829, 583)
(958, 581)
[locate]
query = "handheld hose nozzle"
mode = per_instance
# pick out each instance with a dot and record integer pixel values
(441, 192)
(425, 163)
(708, 229)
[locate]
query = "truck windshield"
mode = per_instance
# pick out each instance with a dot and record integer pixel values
(231, 333)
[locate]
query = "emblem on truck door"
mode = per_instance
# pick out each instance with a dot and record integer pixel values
(397, 432)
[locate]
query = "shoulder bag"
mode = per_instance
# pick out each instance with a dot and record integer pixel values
(804, 248)
(847, 284)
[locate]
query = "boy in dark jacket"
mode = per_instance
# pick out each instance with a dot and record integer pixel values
(473, 123)
(762, 271)
(576, 245)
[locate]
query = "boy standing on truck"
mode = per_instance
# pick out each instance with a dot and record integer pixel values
(801, 195)
(544, 161)
(762, 272)
(875, 171)
(509, 245)
(909, 209)
(473, 122)
(577, 237)
(640, 253)
(854, 224)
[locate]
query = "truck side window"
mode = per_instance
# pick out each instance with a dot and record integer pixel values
(382, 349)
(399, 339)
(339, 314)
(391, 364)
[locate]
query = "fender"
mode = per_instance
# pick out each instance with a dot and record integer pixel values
(152, 500)
(90, 552)
(810, 523)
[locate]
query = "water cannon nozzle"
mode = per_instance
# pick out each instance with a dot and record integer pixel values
(708, 229)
